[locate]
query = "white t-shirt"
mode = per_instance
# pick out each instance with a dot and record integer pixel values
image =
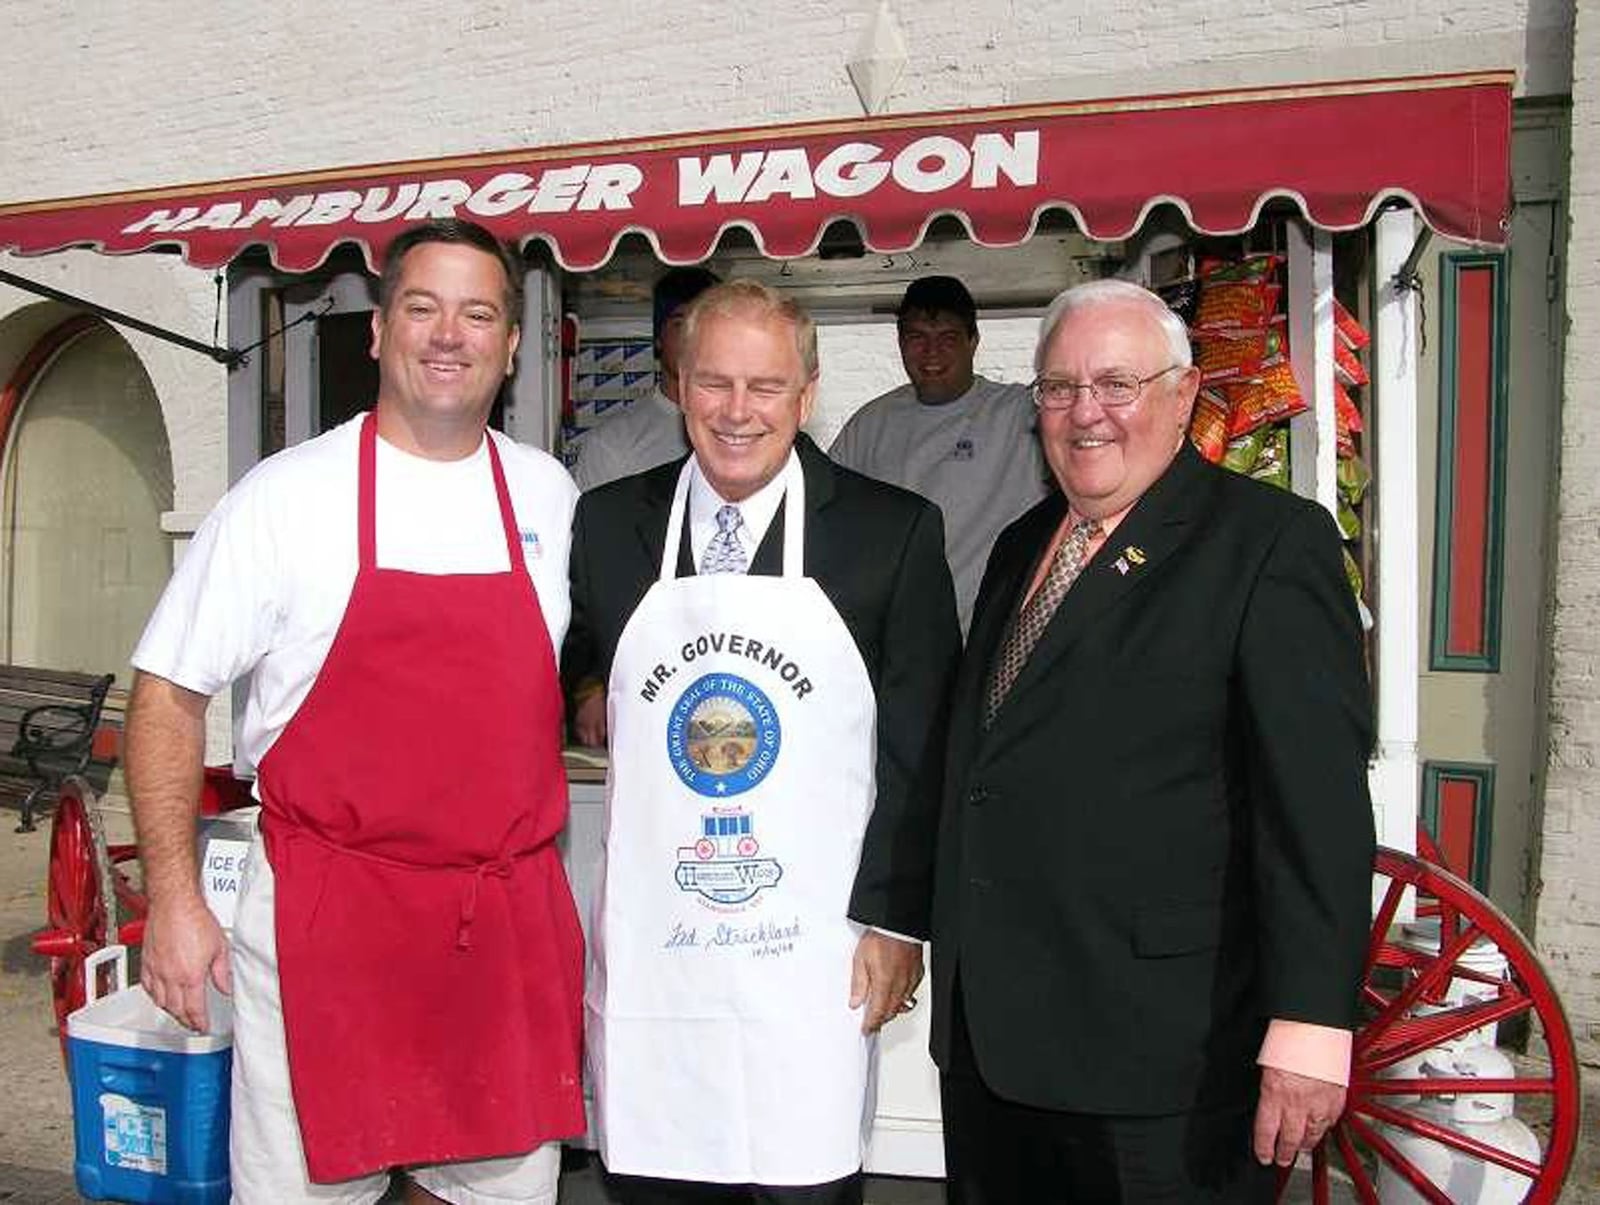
(648, 433)
(977, 457)
(264, 584)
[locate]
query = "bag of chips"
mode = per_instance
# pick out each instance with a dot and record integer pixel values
(1208, 425)
(1237, 294)
(1347, 367)
(1349, 521)
(1252, 269)
(1241, 453)
(1269, 398)
(1235, 307)
(1350, 332)
(1272, 464)
(1227, 357)
(1346, 421)
(1351, 478)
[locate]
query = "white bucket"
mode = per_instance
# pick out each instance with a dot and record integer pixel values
(1483, 957)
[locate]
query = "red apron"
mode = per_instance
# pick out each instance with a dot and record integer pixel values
(429, 951)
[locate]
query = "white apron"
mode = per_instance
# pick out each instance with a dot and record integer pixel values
(721, 1043)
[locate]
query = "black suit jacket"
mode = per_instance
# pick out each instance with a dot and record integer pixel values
(1165, 839)
(877, 552)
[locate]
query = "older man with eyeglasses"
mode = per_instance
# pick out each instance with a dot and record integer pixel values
(1156, 840)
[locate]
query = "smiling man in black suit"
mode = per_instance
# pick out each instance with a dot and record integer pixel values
(1156, 841)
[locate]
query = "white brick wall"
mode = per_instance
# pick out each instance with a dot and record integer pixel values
(1568, 918)
(861, 360)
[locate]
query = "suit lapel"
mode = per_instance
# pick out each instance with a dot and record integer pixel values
(818, 470)
(1157, 526)
(650, 526)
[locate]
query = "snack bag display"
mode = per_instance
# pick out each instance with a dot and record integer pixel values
(1237, 295)
(1346, 367)
(1272, 463)
(1226, 357)
(1241, 453)
(1208, 425)
(1350, 332)
(1346, 421)
(1269, 398)
(1352, 479)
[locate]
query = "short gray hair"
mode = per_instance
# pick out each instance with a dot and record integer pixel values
(1111, 292)
(746, 298)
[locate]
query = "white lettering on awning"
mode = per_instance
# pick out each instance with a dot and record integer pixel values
(218, 217)
(558, 189)
(787, 172)
(502, 194)
(951, 161)
(853, 169)
(162, 220)
(932, 164)
(439, 199)
(610, 186)
(697, 180)
(850, 170)
(1018, 159)
(376, 209)
(331, 207)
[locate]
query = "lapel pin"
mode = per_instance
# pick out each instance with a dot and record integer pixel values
(1134, 554)
(1121, 565)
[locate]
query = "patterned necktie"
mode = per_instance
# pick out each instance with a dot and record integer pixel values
(725, 554)
(1031, 621)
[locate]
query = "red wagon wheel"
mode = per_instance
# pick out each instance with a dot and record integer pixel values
(77, 888)
(1399, 1126)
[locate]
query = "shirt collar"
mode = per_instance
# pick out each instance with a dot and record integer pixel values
(757, 510)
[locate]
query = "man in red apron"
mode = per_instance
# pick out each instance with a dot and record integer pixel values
(406, 960)
(776, 633)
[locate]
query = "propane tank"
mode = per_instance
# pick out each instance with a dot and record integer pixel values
(1483, 1116)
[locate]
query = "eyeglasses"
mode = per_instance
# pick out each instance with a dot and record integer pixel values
(1111, 390)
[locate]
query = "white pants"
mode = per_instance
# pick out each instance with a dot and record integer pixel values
(268, 1164)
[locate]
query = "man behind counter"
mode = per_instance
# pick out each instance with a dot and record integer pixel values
(650, 432)
(958, 439)
(768, 828)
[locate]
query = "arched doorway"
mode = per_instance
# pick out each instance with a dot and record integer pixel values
(86, 475)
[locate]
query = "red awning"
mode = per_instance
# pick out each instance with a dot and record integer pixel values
(1337, 151)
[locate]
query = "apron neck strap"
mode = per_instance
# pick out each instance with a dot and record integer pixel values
(367, 507)
(794, 519)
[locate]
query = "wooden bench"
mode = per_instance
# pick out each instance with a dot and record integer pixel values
(48, 723)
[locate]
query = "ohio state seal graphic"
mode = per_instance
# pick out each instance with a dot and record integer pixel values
(723, 735)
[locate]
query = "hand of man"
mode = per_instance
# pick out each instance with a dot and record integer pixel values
(1293, 1114)
(183, 945)
(884, 973)
(589, 720)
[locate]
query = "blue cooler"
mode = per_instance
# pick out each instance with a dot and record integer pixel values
(149, 1098)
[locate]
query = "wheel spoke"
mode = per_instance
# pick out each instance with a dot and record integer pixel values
(1426, 981)
(1362, 1182)
(1385, 1150)
(1319, 1174)
(1450, 1086)
(1453, 1139)
(1413, 1035)
(1380, 923)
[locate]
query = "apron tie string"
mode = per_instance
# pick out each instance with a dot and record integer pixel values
(501, 869)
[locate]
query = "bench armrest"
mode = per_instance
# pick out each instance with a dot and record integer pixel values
(55, 730)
